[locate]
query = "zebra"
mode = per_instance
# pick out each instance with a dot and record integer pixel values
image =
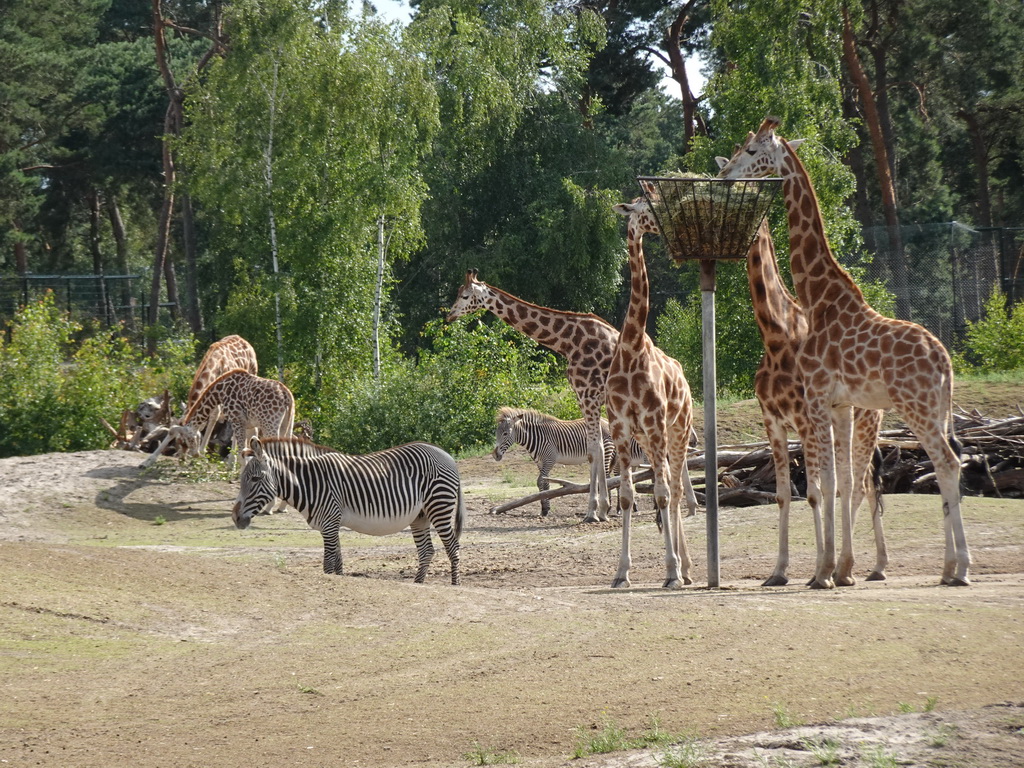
(415, 485)
(551, 441)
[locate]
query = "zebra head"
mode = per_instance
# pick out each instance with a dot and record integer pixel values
(472, 296)
(504, 437)
(258, 486)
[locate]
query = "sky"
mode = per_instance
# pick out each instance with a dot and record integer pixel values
(400, 11)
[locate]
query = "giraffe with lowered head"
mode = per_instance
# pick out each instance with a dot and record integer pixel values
(584, 340)
(649, 398)
(224, 355)
(854, 357)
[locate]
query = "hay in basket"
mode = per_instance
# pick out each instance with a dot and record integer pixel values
(702, 217)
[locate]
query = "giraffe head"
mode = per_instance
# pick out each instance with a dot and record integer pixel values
(470, 297)
(258, 489)
(186, 440)
(641, 217)
(760, 155)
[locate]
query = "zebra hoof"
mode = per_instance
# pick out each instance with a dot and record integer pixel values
(875, 576)
(775, 581)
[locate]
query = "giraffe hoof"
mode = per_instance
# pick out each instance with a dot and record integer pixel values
(775, 581)
(845, 581)
(672, 584)
(957, 582)
(620, 583)
(875, 576)
(591, 519)
(687, 580)
(821, 584)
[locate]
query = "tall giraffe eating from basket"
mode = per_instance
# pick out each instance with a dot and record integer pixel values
(649, 398)
(780, 392)
(853, 356)
(584, 340)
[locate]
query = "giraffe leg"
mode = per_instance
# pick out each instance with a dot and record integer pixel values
(424, 546)
(626, 495)
(663, 502)
(957, 560)
(779, 443)
(842, 428)
(597, 503)
(681, 488)
(821, 493)
(866, 424)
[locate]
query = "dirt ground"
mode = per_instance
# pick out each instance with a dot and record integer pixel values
(138, 627)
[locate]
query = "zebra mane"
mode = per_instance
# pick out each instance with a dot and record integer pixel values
(298, 447)
(529, 415)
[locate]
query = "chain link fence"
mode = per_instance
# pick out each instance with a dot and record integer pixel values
(942, 274)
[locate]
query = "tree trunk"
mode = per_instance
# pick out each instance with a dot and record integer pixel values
(693, 123)
(882, 167)
(188, 224)
(980, 148)
(162, 235)
(127, 296)
(103, 306)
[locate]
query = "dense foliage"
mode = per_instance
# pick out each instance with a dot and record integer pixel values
(322, 178)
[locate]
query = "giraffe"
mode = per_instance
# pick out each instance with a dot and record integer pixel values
(780, 392)
(649, 398)
(225, 355)
(584, 340)
(248, 402)
(855, 357)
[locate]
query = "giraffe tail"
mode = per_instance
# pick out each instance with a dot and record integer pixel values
(876, 483)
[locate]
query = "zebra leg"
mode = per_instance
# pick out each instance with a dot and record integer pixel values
(332, 552)
(424, 546)
(546, 465)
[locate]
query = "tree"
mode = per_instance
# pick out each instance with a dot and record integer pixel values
(306, 166)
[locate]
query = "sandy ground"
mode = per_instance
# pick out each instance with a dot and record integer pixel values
(138, 627)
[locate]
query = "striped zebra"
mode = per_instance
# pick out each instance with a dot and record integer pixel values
(415, 485)
(551, 441)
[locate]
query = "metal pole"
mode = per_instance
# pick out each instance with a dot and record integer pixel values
(707, 296)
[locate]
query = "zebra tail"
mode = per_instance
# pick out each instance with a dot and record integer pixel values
(460, 514)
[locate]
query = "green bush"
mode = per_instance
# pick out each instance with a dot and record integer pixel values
(57, 381)
(996, 341)
(450, 395)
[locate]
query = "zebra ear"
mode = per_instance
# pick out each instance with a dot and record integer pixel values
(256, 447)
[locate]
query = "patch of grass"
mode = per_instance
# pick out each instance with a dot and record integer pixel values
(783, 718)
(687, 754)
(878, 756)
(159, 520)
(942, 735)
(195, 469)
(825, 751)
(929, 705)
(612, 737)
(309, 690)
(776, 761)
(485, 756)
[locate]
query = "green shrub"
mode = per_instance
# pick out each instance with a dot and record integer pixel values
(57, 381)
(450, 395)
(996, 341)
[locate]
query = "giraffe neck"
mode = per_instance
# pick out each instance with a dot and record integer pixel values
(817, 276)
(548, 327)
(201, 410)
(775, 310)
(634, 327)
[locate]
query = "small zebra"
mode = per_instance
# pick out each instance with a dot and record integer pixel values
(415, 485)
(551, 441)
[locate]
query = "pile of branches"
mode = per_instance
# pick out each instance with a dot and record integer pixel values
(992, 464)
(144, 428)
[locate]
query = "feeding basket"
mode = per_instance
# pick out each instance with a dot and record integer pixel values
(708, 218)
